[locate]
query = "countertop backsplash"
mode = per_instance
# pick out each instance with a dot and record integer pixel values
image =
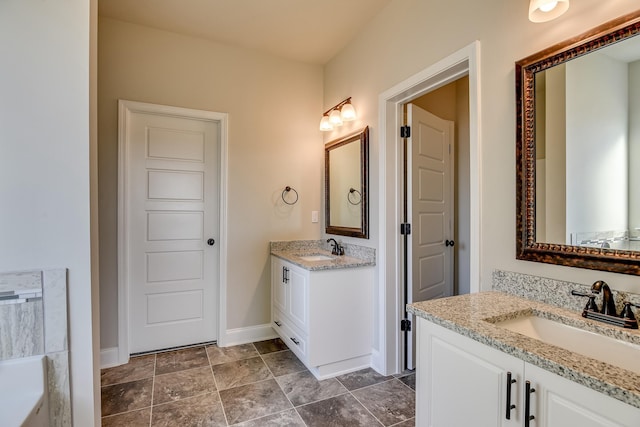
(552, 291)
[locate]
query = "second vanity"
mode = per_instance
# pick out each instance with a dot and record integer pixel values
(321, 305)
(475, 369)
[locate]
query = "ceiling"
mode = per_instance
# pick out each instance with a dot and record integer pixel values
(309, 31)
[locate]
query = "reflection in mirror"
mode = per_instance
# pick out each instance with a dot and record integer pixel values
(578, 122)
(344, 175)
(587, 126)
(346, 182)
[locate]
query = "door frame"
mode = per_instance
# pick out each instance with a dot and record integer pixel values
(387, 358)
(125, 109)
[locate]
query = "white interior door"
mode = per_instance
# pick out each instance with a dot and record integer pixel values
(430, 184)
(172, 205)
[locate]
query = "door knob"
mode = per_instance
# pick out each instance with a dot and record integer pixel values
(449, 243)
(211, 242)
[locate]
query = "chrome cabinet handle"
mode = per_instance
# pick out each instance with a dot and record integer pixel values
(510, 406)
(527, 403)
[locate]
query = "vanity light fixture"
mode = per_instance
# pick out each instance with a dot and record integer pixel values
(336, 115)
(547, 10)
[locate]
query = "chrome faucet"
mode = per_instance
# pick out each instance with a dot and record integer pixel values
(608, 303)
(336, 248)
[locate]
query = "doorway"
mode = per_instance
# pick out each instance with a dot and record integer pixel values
(435, 254)
(390, 309)
(171, 213)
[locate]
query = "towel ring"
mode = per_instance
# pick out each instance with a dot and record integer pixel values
(351, 191)
(286, 190)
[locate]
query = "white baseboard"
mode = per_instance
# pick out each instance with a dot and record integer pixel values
(377, 364)
(331, 370)
(109, 357)
(246, 335)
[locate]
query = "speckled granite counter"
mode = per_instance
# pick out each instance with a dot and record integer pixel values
(468, 315)
(355, 256)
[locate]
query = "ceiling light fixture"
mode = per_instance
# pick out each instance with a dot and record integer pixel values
(336, 115)
(547, 10)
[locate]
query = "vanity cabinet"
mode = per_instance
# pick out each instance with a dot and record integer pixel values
(463, 382)
(324, 316)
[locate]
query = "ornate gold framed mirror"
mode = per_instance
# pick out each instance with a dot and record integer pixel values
(578, 150)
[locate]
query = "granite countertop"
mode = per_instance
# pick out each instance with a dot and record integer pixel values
(471, 316)
(336, 262)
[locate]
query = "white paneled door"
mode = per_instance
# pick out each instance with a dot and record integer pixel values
(172, 211)
(430, 206)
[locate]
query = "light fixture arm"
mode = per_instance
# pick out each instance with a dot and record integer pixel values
(338, 106)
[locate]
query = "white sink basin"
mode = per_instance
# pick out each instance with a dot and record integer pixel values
(315, 257)
(600, 347)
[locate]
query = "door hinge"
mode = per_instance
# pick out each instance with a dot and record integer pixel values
(405, 325)
(405, 228)
(405, 131)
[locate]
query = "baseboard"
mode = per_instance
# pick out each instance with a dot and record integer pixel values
(377, 364)
(109, 357)
(246, 335)
(342, 367)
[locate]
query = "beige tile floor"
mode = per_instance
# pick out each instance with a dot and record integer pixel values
(258, 384)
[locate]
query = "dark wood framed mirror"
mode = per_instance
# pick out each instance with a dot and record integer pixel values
(346, 172)
(578, 150)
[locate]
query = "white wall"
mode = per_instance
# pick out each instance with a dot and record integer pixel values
(44, 164)
(274, 108)
(597, 91)
(410, 35)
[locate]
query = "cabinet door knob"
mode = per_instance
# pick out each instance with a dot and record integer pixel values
(527, 403)
(510, 406)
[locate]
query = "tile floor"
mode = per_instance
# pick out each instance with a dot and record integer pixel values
(258, 384)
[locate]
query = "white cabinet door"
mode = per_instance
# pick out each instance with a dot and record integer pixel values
(289, 290)
(558, 402)
(278, 285)
(461, 382)
(298, 284)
